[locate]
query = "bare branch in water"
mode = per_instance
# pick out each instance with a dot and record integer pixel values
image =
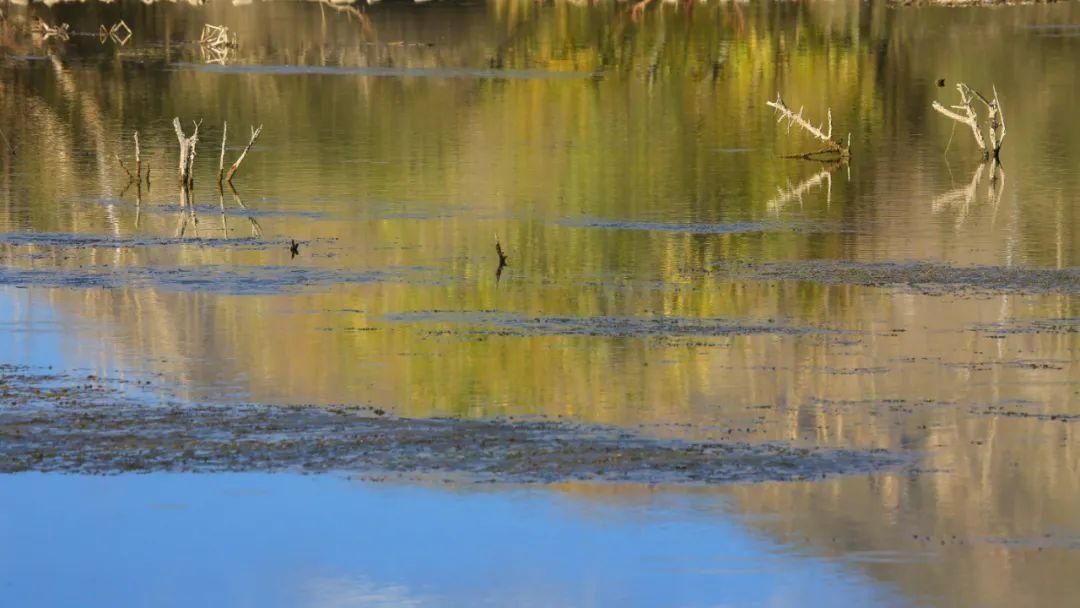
(236, 166)
(964, 113)
(221, 160)
(832, 147)
(138, 160)
(187, 152)
(217, 41)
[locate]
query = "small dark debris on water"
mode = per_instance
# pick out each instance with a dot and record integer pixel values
(294, 248)
(941, 82)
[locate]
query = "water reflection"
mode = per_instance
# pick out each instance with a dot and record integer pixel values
(631, 171)
(386, 545)
(960, 200)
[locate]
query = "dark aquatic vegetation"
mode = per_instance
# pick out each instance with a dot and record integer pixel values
(509, 324)
(51, 422)
(922, 277)
(239, 280)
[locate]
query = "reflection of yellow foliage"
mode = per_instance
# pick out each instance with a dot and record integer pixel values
(660, 120)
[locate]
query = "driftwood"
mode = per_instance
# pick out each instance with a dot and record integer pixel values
(834, 148)
(964, 113)
(236, 166)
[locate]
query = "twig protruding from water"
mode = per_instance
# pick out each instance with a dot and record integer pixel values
(221, 160)
(236, 166)
(136, 177)
(138, 159)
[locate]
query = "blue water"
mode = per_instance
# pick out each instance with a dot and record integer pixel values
(289, 540)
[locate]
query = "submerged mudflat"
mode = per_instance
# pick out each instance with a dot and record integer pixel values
(55, 422)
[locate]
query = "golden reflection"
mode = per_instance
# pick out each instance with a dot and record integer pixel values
(625, 165)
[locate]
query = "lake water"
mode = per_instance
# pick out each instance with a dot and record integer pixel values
(669, 272)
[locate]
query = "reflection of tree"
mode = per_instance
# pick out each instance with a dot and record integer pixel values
(791, 193)
(256, 229)
(960, 200)
(187, 215)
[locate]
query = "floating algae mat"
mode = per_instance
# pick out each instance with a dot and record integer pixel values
(54, 422)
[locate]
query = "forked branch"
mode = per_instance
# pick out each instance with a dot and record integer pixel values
(833, 147)
(964, 113)
(187, 152)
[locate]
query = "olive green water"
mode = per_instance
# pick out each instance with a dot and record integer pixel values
(667, 267)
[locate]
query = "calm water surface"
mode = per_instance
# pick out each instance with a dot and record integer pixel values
(633, 173)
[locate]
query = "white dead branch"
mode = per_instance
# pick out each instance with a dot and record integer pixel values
(138, 160)
(136, 177)
(236, 166)
(833, 147)
(217, 35)
(221, 159)
(964, 113)
(216, 43)
(187, 152)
